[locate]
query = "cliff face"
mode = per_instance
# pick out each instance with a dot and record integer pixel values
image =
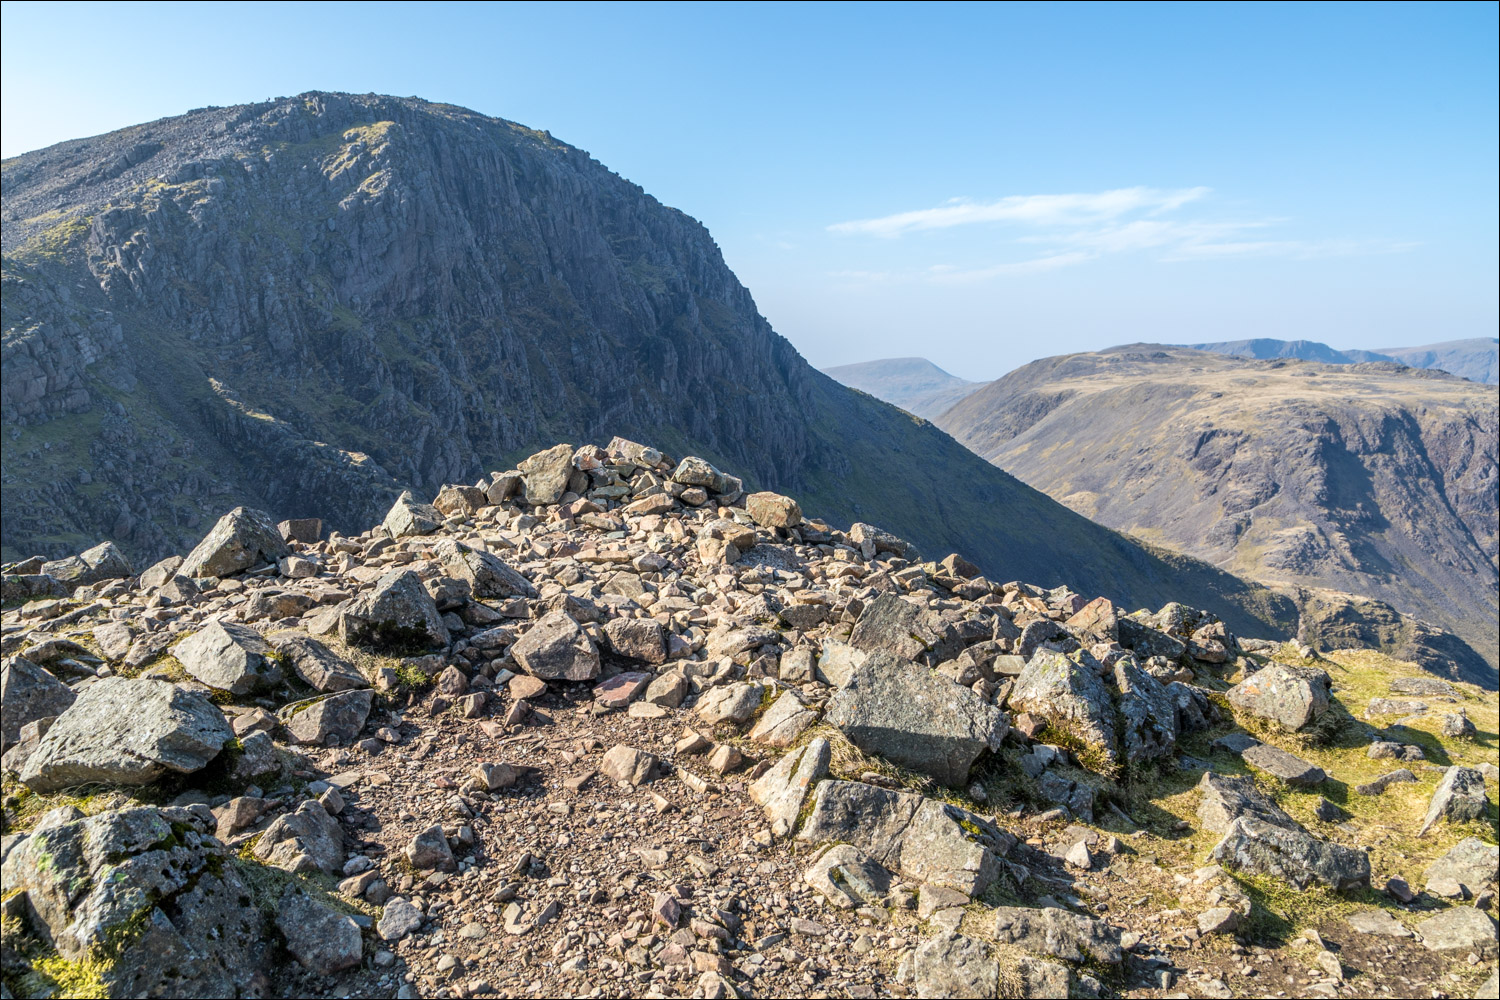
(310, 304)
(1372, 479)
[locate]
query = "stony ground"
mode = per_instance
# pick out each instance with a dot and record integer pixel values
(544, 764)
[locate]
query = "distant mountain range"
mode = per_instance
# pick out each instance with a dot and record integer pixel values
(1366, 478)
(915, 384)
(1476, 359)
(918, 386)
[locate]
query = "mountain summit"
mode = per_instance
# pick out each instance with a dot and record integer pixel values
(311, 304)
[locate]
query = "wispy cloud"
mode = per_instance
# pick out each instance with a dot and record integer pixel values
(1074, 229)
(1036, 209)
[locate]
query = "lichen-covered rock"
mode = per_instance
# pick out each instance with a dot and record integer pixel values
(1471, 863)
(784, 721)
(1148, 713)
(1292, 697)
(243, 539)
(397, 612)
(229, 657)
(916, 717)
(1291, 853)
(320, 667)
(1070, 697)
(28, 693)
(545, 475)
(486, 573)
(320, 938)
(892, 625)
(953, 965)
(1459, 795)
(408, 516)
(128, 732)
(1058, 933)
(305, 840)
(330, 720)
(1226, 798)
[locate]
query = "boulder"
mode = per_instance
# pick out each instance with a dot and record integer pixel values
(627, 764)
(102, 562)
(129, 732)
(399, 919)
(429, 850)
(556, 649)
(1284, 766)
(1226, 798)
(952, 965)
(1097, 621)
(459, 500)
(408, 517)
(486, 573)
(28, 693)
(1147, 712)
(1291, 697)
(694, 471)
(893, 625)
(229, 657)
(306, 530)
(772, 510)
(1459, 931)
(868, 817)
(1070, 697)
(1459, 796)
(1292, 854)
(397, 613)
(640, 639)
(729, 703)
(305, 840)
(319, 667)
(781, 791)
(1057, 933)
(784, 721)
(545, 475)
(848, 879)
(917, 718)
(1471, 863)
(330, 720)
(1146, 642)
(171, 913)
(242, 539)
(321, 939)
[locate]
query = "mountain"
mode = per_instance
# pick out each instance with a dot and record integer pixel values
(310, 304)
(1371, 479)
(915, 384)
(1476, 359)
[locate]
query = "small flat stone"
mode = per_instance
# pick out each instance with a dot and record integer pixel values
(1278, 763)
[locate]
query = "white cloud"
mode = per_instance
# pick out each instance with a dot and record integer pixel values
(1073, 229)
(1034, 209)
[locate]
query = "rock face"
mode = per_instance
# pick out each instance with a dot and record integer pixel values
(243, 539)
(1321, 475)
(916, 717)
(28, 693)
(127, 732)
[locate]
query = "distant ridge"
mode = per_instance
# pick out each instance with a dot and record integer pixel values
(1476, 359)
(915, 384)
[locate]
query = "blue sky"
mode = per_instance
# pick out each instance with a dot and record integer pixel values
(979, 185)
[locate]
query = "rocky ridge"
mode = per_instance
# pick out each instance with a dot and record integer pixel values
(606, 724)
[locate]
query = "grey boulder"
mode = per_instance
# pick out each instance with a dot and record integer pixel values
(1461, 930)
(28, 693)
(319, 667)
(302, 841)
(397, 612)
(486, 573)
(556, 649)
(102, 562)
(1459, 796)
(1471, 863)
(322, 940)
(229, 657)
(242, 539)
(545, 475)
(408, 517)
(329, 720)
(1291, 697)
(1292, 854)
(1058, 933)
(1069, 696)
(1148, 713)
(916, 717)
(129, 732)
(781, 791)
